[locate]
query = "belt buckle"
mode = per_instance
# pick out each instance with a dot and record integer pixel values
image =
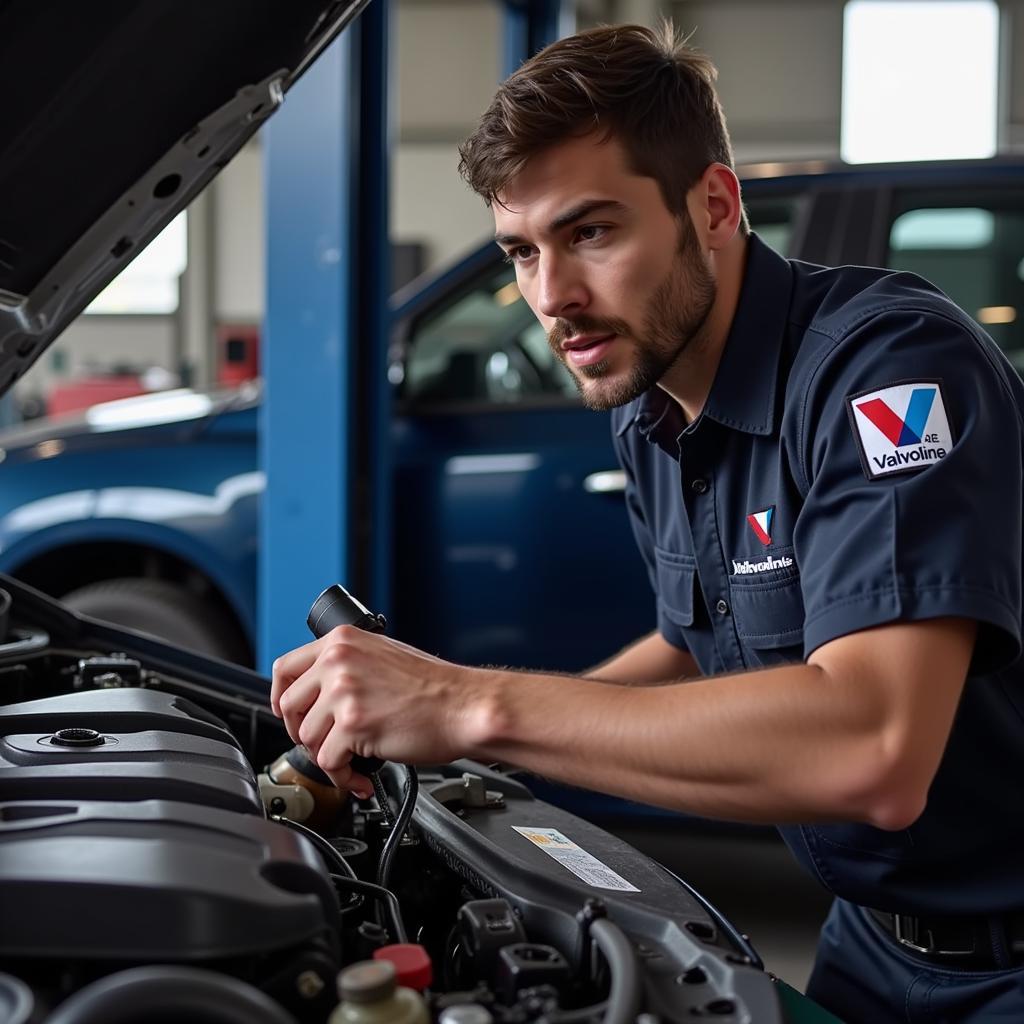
(913, 941)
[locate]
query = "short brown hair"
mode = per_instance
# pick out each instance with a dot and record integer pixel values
(641, 86)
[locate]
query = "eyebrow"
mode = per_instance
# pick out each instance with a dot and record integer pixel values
(563, 220)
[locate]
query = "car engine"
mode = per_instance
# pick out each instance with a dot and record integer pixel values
(160, 860)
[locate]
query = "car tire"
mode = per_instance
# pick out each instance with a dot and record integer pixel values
(165, 610)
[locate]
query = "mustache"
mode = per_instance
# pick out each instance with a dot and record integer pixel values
(566, 329)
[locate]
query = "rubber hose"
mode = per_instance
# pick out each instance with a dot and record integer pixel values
(384, 896)
(349, 879)
(17, 1003)
(327, 851)
(626, 994)
(398, 828)
(170, 993)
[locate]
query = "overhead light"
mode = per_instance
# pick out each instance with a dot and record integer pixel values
(48, 449)
(919, 79)
(508, 294)
(996, 315)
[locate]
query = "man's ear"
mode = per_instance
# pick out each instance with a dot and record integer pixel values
(715, 206)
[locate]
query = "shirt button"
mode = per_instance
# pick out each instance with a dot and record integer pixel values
(722, 607)
(699, 485)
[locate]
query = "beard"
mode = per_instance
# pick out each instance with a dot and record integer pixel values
(675, 314)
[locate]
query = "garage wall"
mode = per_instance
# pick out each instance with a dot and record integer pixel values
(447, 64)
(782, 96)
(238, 239)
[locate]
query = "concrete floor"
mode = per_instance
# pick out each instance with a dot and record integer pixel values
(752, 878)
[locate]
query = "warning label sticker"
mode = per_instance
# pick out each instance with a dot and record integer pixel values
(575, 858)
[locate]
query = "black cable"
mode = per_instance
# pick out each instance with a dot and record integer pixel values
(26, 641)
(320, 843)
(382, 799)
(349, 879)
(394, 840)
(382, 895)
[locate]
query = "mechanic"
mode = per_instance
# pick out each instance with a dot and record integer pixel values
(824, 474)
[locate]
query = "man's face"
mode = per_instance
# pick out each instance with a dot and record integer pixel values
(619, 283)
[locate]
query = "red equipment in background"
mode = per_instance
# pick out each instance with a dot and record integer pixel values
(74, 395)
(238, 354)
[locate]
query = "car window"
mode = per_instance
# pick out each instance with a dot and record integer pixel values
(773, 219)
(975, 254)
(484, 345)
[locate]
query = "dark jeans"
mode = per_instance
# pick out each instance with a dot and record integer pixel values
(863, 977)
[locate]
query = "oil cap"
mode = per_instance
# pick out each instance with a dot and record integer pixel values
(412, 964)
(75, 737)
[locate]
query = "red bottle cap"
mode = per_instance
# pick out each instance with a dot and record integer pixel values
(412, 964)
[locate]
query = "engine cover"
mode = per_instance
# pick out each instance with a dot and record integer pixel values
(122, 744)
(155, 881)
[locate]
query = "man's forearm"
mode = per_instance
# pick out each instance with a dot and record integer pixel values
(797, 743)
(650, 661)
(681, 746)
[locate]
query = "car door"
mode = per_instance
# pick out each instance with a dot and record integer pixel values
(512, 542)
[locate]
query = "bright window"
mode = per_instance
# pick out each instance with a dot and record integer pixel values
(919, 79)
(149, 284)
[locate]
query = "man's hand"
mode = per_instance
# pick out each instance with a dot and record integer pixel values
(354, 692)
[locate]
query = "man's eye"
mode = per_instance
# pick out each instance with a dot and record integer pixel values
(518, 254)
(590, 232)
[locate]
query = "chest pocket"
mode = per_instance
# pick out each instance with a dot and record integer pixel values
(676, 575)
(768, 609)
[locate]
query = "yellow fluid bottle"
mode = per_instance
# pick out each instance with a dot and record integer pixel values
(370, 994)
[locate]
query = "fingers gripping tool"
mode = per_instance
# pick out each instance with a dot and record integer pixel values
(337, 607)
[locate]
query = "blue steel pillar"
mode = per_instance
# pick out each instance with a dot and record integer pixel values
(323, 428)
(529, 26)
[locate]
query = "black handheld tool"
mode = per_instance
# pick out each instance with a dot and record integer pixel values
(337, 607)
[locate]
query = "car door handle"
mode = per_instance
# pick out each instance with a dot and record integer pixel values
(610, 481)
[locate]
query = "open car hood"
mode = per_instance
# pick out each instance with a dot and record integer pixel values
(116, 115)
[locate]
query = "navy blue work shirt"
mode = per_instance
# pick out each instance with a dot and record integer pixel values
(858, 462)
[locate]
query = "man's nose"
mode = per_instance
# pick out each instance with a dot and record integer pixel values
(561, 292)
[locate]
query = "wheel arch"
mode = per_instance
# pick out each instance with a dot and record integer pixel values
(69, 563)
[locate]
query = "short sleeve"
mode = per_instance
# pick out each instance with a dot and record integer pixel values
(910, 451)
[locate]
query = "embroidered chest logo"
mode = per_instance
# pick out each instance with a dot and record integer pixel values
(900, 428)
(761, 524)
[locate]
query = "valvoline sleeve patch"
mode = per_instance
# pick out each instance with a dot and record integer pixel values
(900, 428)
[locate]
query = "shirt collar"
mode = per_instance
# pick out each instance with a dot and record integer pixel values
(743, 393)
(744, 389)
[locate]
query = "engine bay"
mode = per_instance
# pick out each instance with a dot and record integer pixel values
(162, 859)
